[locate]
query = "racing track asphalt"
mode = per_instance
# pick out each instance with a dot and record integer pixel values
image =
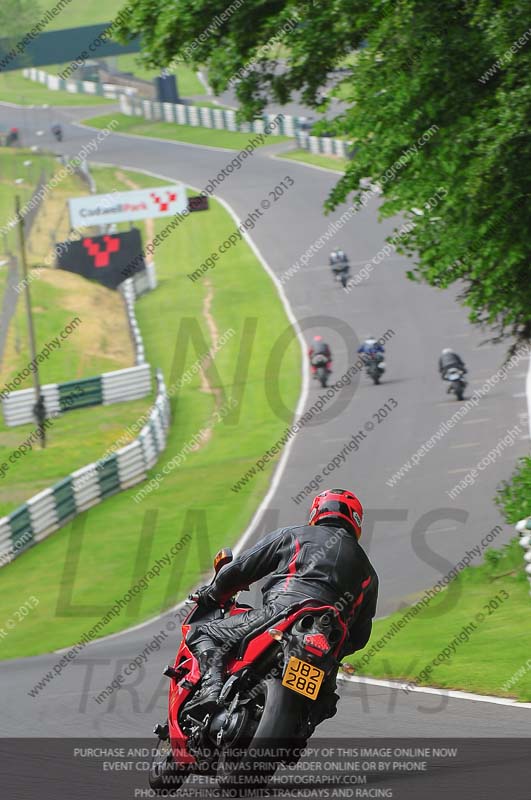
(417, 533)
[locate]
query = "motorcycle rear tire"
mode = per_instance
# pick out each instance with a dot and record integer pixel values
(164, 773)
(284, 718)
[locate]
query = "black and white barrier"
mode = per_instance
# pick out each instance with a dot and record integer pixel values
(118, 470)
(524, 529)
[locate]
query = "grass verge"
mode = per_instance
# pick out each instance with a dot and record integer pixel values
(330, 162)
(98, 343)
(86, 12)
(179, 133)
(20, 170)
(210, 104)
(484, 612)
(78, 572)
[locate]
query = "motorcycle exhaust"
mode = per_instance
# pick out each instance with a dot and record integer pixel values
(305, 623)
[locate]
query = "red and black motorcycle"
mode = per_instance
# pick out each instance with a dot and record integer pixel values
(271, 683)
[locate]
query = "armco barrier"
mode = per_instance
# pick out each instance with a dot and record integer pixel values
(55, 83)
(86, 487)
(524, 529)
(322, 145)
(203, 117)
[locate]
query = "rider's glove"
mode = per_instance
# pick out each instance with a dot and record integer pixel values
(205, 597)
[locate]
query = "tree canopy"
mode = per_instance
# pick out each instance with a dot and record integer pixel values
(17, 17)
(438, 108)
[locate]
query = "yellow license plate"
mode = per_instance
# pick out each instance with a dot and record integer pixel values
(303, 678)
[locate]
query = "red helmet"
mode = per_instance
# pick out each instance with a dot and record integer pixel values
(338, 504)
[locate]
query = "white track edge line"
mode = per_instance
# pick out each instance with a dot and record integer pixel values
(454, 693)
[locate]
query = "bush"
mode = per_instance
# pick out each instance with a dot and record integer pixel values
(515, 496)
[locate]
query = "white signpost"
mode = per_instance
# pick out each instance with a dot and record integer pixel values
(103, 209)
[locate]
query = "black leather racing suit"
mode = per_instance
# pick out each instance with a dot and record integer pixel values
(306, 565)
(318, 349)
(449, 360)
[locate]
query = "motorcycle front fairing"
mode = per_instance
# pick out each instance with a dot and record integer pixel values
(185, 676)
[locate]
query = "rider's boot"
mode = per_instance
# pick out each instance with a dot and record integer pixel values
(211, 667)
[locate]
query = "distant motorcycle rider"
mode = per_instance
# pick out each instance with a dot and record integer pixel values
(13, 137)
(370, 347)
(448, 360)
(57, 131)
(338, 257)
(319, 348)
(318, 563)
(340, 266)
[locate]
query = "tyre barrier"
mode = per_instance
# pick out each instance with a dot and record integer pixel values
(50, 509)
(17, 406)
(131, 383)
(179, 113)
(204, 117)
(144, 281)
(524, 529)
(128, 290)
(322, 145)
(117, 386)
(57, 84)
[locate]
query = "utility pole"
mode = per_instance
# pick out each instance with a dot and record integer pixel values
(39, 409)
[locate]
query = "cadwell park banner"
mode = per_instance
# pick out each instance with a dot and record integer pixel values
(103, 209)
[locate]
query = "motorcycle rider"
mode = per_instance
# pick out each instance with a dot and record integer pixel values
(340, 266)
(12, 137)
(371, 347)
(318, 563)
(338, 257)
(57, 131)
(318, 348)
(448, 360)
